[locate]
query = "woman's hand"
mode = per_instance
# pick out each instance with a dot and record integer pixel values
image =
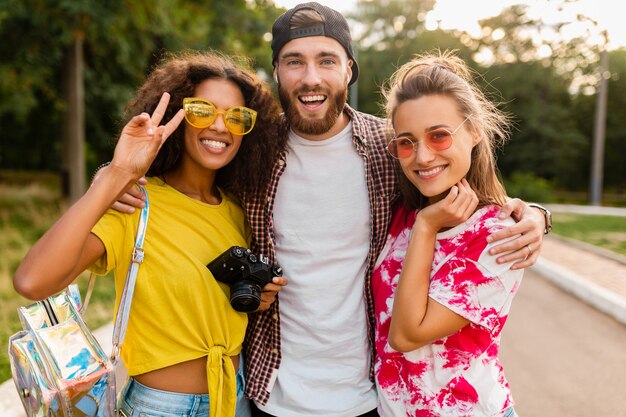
(416, 319)
(525, 248)
(69, 247)
(141, 139)
(454, 209)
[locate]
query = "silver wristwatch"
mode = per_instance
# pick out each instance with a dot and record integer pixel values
(546, 215)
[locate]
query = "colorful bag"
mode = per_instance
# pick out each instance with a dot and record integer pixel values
(58, 366)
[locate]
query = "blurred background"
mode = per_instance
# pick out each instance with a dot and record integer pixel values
(67, 68)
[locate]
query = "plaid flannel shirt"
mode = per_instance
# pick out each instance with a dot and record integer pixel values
(262, 344)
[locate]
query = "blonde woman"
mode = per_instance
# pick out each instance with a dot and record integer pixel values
(441, 299)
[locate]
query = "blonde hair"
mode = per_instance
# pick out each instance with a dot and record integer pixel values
(446, 74)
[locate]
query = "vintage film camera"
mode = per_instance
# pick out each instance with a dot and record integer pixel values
(246, 274)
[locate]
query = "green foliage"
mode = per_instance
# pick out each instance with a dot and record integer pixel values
(528, 187)
(122, 40)
(546, 140)
(549, 42)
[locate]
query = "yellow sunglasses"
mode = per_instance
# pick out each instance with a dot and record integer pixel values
(200, 113)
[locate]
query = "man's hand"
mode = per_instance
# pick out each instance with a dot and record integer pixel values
(270, 291)
(530, 225)
(132, 199)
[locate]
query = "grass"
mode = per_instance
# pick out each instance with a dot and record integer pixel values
(607, 232)
(29, 205)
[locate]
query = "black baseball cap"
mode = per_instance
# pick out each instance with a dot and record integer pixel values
(334, 26)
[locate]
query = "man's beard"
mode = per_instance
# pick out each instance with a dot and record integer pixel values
(312, 126)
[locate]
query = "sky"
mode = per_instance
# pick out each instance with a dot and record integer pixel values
(460, 14)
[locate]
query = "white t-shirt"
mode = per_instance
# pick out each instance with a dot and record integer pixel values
(322, 229)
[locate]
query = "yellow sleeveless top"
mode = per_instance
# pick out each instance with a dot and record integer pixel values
(179, 311)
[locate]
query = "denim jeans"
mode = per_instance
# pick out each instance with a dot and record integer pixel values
(510, 413)
(137, 400)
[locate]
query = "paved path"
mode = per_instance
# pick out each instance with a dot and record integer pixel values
(571, 208)
(589, 273)
(561, 356)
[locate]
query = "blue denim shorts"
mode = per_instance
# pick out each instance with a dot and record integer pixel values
(137, 400)
(510, 412)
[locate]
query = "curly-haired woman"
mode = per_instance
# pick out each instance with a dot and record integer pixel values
(183, 339)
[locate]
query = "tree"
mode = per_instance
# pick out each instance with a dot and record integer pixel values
(538, 70)
(615, 143)
(389, 33)
(535, 81)
(123, 39)
(546, 139)
(513, 37)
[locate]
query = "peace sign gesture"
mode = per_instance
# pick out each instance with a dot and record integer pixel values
(142, 137)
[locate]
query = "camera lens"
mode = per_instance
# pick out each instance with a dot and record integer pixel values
(245, 296)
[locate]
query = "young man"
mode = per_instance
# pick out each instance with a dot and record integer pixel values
(324, 218)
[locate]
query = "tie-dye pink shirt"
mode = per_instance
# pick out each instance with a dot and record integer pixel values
(459, 375)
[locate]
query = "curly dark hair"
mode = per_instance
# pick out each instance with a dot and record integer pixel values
(179, 74)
